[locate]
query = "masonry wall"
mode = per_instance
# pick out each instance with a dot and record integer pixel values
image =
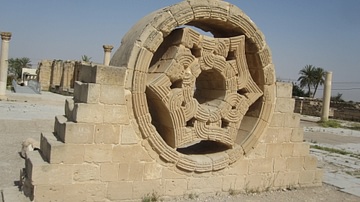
(96, 152)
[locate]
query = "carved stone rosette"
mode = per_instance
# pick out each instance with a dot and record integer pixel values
(200, 100)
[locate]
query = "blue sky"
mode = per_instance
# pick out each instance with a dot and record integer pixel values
(323, 33)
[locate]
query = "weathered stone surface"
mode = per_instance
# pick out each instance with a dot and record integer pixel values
(176, 113)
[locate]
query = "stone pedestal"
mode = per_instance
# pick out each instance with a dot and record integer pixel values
(5, 37)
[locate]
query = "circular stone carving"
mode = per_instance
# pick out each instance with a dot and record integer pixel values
(201, 101)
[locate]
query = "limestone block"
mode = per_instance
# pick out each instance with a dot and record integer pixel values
(283, 90)
(277, 120)
(265, 55)
(120, 191)
(284, 105)
(76, 133)
(205, 184)
(121, 153)
(301, 149)
(40, 172)
(143, 188)
(69, 109)
(98, 153)
(182, 13)
(136, 171)
(273, 150)
(116, 114)
(277, 135)
(109, 172)
(286, 179)
(318, 177)
(46, 193)
(153, 39)
(279, 164)
(240, 167)
(152, 171)
(310, 162)
(87, 92)
(261, 166)
(254, 182)
(258, 152)
(175, 187)
(297, 135)
(170, 174)
(123, 171)
(107, 133)
(292, 120)
(128, 134)
(201, 9)
(112, 94)
(88, 113)
(85, 192)
(144, 58)
(56, 152)
(102, 74)
(306, 177)
(287, 150)
(85, 172)
(295, 164)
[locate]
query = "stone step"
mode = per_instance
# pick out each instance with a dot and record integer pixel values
(55, 151)
(12, 194)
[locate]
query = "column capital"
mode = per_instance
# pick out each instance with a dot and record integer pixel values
(6, 36)
(108, 48)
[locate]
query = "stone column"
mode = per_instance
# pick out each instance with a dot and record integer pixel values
(326, 97)
(5, 37)
(107, 54)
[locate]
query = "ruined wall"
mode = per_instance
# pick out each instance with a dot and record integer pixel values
(44, 74)
(176, 113)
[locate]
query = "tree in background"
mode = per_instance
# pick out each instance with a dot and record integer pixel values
(16, 65)
(311, 77)
(85, 58)
(297, 91)
(337, 98)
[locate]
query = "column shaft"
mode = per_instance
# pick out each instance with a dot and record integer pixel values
(326, 97)
(5, 37)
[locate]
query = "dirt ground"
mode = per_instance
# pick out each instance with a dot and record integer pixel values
(23, 116)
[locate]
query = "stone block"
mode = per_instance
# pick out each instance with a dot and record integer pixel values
(152, 171)
(295, 164)
(277, 135)
(301, 149)
(136, 171)
(107, 134)
(117, 114)
(130, 153)
(98, 153)
(69, 109)
(101, 74)
(86, 173)
(286, 179)
(287, 149)
(175, 187)
(75, 133)
(310, 162)
(292, 120)
(279, 164)
(43, 173)
(283, 90)
(88, 113)
(258, 152)
(240, 167)
(205, 184)
(120, 191)
(306, 177)
(319, 173)
(85, 192)
(123, 171)
(264, 165)
(112, 94)
(87, 92)
(46, 193)
(297, 135)
(277, 120)
(128, 134)
(284, 105)
(57, 152)
(144, 188)
(109, 172)
(273, 150)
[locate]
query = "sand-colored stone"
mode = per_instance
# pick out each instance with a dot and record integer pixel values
(175, 113)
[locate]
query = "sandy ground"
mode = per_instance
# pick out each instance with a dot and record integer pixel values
(23, 116)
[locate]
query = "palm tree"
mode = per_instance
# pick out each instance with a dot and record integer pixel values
(305, 78)
(319, 78)
(16, 65)
(85, 58)
(311, 77)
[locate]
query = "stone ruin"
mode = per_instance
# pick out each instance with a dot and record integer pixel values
(176, 113)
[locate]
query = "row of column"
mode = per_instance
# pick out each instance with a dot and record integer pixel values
(4, 57)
